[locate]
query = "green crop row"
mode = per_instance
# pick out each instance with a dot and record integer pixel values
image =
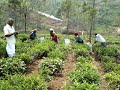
(54, 62)
(109, 58)
(85, 77)
(2, 48)
(26, 52)
(22, 82)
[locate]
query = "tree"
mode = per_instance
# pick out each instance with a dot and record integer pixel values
(13, 6)
(3, 13)
(91, 7)
(66, 7)
(66, 11)
(92, 19)
(28, 6)
(25, 8)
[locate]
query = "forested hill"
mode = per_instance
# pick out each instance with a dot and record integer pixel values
(81, 14)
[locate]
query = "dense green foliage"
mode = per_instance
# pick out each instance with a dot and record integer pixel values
(54, 62)
(85, 15)
(85, 76)
(2, 48)
(109, 58)
(75, 14)
(53, 58)
(22, 82)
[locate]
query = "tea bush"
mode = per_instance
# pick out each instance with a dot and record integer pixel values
(11, 66)
(2, 48)
(22, 82)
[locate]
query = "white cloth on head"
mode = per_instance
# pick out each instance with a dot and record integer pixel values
(51, 29)
(54, 32)
(10, 47)
(99, 38)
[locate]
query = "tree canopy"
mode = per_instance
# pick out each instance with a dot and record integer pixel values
(80, 14)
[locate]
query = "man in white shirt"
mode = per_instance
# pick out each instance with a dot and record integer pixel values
(100, 39)
(10, 33)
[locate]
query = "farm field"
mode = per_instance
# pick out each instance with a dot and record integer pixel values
(59, 44)
(49, 66)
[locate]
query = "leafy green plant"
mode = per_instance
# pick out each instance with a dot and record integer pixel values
(63, 47)
(107, 59)
(83, 86)
(113, 79)
(22, 47)
(111, 66)
(11, 66)
(108, 51)
(57, 53)
(85, 74)
(40, 48)
(82, 59)
(22, 82)
(2, 48)
(81, 50)
(50, 66)
(25, 57)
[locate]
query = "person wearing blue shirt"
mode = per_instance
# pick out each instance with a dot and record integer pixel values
(33, 34)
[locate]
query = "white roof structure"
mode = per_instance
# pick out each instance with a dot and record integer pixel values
(49, 16)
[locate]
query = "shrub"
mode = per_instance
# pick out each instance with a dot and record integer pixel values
(25, 57)
(82, 59)
(83, 86)
(2, 48)
(50, 66)
(85, 73)
(57, 53)
(22, 82)
(11, 66)
(113, 79)
(107, 59)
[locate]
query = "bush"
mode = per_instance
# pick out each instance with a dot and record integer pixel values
(2, 48)
(57, 53)
(82, 59)
(22, 82)
(50, 66)
(11, 66)
(83, 86)
(113, 79)
(111, 66)
(107, 59)
(25, 57)
(85, 73)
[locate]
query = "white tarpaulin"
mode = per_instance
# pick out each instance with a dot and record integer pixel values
(49, 16)
(41, 39)
(67, 41)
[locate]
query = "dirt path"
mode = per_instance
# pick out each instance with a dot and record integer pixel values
(69, 65)
(33, 67)
(103, 84)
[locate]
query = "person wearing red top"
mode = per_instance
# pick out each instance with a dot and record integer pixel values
(55, 37)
